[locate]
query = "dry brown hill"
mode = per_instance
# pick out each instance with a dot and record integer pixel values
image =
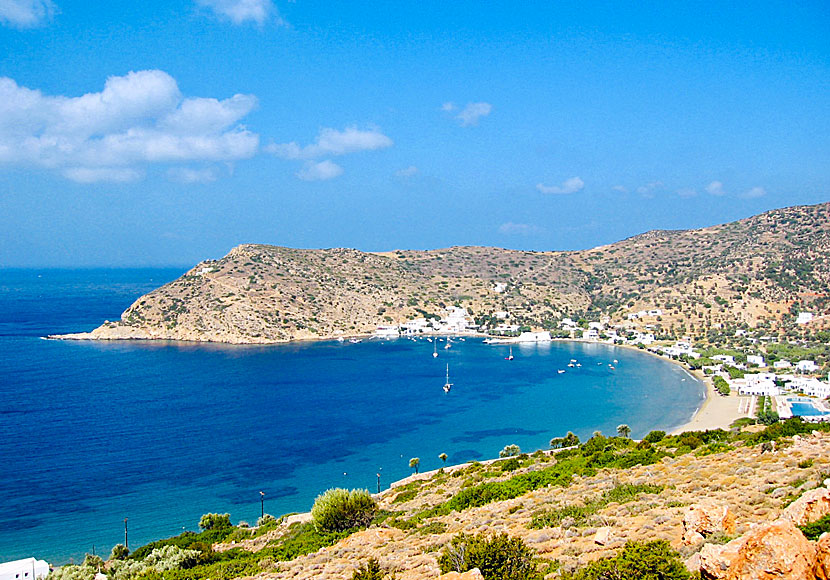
(750, 272)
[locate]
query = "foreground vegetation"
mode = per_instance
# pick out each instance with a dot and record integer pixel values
(339, 513)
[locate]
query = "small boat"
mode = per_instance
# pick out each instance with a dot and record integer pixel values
(448, 384)
(612, 367)
(510, 356)
(579, 364)
(355, 340)
(571, 365)
(434, 350)
(449, 344)
(615, 361)
(560, 371)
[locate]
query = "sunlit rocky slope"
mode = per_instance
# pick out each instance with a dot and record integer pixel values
(748, 272)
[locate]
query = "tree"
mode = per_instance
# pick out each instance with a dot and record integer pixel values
(372, 570)
(414, 463)
(510, 451)
(637, 561)
(443, 457)
(623, 430)
(340, 509)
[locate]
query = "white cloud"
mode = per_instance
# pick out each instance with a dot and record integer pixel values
(333, 142)
(754, 192)
(26, 13)
(448, 107)
(139, 118)
(322, 171)
(410, 171)
(687, 192)
(241, 11)
(715, 188)
(571, 185)
(620, 188)
(190, 175)
(98, 174)
(518, 229)
(472, 112)
(649, 188)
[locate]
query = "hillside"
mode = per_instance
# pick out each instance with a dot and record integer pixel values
(753, 273)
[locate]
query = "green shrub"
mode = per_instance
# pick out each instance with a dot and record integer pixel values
(637, 561)
(405, 495)
(266, 520)
(119, 552)
(806, 463)
(511, 464)
(93, 561)
(655, 436)
(372, 570)
(815, 529)
(340, 509)
(510, 450)
(215, 522)
(498, 557)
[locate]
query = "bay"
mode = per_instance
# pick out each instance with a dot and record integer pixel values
(160, 433)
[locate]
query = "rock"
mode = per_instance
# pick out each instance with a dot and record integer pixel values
(474, 574)
(769, 551)
(602, 536)
(821, 569)
(704, 519)
(693, 563)
(809, 507)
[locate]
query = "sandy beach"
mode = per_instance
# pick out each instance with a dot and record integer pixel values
(717, 411)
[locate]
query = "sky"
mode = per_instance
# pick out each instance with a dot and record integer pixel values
(165, 133)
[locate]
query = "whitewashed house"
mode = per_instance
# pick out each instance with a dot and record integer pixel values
(810, 386)
(755, 359)
(725, 358)
(760, 385)
(590, 334)
(782, 364)
(26, 569)
(804, 318)
(806, 366)
(416, 326)
(387, 330)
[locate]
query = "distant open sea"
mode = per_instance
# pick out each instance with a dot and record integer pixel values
(160, 433)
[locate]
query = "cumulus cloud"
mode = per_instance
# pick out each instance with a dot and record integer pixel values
(649, 188)
(472, 112)
(571, 185)
(410, 171)
(139, 118)
(242, 11)
(687, 192)
(26, 13)
(319, 171)
(190, 175)
(333, 142)
(518, 229)
(715, 188)
(97, 174)
(754, 193)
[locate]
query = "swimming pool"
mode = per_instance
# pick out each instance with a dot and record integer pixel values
(805, 409)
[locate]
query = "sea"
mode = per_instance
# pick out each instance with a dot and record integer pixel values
(99, 438)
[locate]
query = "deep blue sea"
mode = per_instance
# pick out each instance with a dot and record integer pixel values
(160, 433)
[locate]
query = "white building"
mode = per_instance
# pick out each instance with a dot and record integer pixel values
(590, 334)
(782, 364)
(806, 366)
(761, 385)
(501, 315)
(387, 330)
(456, 321)
(804, 317)
(725, 358)
(416, 326)
(755, 359)
(810, 387)
(499, 287)
(26, 569)
(506, 329)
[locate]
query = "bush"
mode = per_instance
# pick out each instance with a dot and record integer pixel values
(93, 561)
(815, 529)
(372, 570)
(119, 552)
(655, 436)
(498, 557)
(340, 509)
(511, 464)
(637, 561)
(215, 522)
(266, 520)
(510, 451)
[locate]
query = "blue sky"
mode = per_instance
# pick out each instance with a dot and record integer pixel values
(156, 133)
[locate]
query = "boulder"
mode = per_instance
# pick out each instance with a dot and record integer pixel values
(822, 565)
(705, 519)
(602, 536)
(773, 550)
(810, 507)
(474, 574)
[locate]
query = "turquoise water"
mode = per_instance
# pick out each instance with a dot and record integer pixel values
(802, 409)
(160, 433)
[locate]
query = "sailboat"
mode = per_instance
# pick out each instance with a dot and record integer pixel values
(435, 349)
(449, 344)
(510, 356)
(448, 384)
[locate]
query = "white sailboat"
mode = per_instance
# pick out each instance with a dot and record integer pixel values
(448, 384)
(510, 356)
(435, 349)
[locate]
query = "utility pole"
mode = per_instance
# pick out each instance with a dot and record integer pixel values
(262, 504)
(126, 543)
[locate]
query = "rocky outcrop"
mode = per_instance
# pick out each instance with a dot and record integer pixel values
(821, 569)
(773, 550)
(704, 519)
(811, 506)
